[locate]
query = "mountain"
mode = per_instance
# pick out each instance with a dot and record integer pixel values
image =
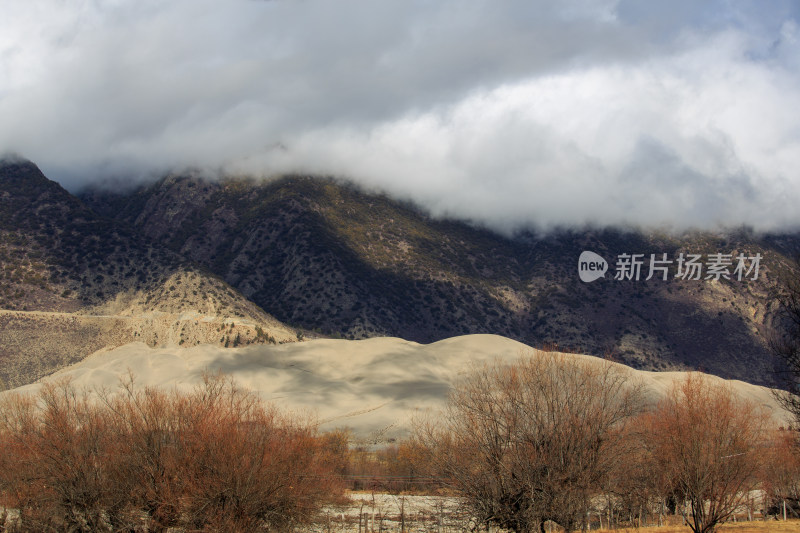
(324, 255)
(73, 282)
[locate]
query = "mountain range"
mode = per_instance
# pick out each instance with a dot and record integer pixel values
(191, 259)
(73, 282)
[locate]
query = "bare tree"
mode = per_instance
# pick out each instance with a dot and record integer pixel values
(704, 441)
(786, 342)
(632, 488)
(781, 476)
(532, 441)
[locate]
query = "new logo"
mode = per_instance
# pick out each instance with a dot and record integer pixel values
(591, 267)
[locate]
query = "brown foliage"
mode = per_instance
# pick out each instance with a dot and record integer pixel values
(393, 468)
(55, 469)
(781, 476)
(703, 446)
(215, 459)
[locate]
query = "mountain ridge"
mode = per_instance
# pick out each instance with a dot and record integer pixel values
(73, 282)
(190, 260)
(330, 257)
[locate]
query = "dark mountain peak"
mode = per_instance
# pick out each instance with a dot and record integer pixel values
(73, 281)
(22, 178)
(335, 258)
(12, 159)
(32, 203)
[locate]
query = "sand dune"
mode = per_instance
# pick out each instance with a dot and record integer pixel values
(372, 386)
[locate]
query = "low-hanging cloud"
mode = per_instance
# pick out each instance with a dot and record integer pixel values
(510, 114)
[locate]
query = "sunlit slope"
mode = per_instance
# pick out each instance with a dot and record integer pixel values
(373, 386)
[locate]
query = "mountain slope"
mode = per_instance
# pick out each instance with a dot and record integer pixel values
(73, 282)
(327, 256)
(375, 387)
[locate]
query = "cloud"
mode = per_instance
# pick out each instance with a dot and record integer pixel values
(510, 114)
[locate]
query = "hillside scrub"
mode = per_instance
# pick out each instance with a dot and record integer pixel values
(214, 459)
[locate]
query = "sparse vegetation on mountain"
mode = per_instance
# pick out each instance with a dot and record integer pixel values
(337, 261)
(73, 282)
(328, 257)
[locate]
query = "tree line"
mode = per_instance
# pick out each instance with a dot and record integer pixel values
(214, 459)
(543, 439)
(538, 441)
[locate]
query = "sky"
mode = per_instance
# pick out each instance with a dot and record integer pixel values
(511, 114)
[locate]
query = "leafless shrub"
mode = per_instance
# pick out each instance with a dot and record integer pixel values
(705, 442)
(532, 441)
(56, 460)
(148, 460)
(781, 475)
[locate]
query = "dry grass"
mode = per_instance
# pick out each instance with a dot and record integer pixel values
(770, 526)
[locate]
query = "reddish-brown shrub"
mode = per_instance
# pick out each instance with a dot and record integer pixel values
(57, 450)
(214, 459)
(704, 442)
(781, 475)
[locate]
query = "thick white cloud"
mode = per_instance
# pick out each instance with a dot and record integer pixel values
(506, 113)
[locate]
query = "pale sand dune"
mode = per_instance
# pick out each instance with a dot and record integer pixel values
(372, 386)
